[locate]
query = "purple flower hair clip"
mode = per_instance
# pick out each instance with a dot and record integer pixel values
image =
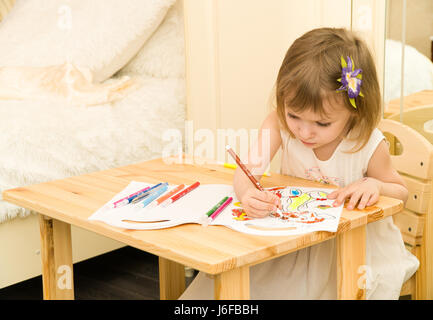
(351, 80)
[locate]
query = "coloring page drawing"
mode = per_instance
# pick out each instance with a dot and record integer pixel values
(303, 210)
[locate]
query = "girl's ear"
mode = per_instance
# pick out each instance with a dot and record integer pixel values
(351, 123)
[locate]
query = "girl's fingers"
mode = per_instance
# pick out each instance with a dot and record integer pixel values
(254, 213)
(259, 204)
(364, 200)
(342, 195)
(333, 194)
(266, 196)
(374, 198)
(262, 206)
(354, 200)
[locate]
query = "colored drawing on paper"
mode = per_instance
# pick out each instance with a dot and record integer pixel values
(301, 209)
(324, 206)
(304, 210)
(299, 206)
(239, 215)
(299, 217)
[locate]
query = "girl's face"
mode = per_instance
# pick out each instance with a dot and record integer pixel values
(317, 131)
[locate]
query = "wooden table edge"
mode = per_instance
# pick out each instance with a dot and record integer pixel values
(224, 265)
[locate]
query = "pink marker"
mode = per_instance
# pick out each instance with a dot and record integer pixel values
(120, 202)
(218, 211)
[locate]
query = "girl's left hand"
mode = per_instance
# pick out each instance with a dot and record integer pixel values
(366, 191)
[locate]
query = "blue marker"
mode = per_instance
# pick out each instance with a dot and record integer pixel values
(133, 197)
(148, 192)
(153, 196)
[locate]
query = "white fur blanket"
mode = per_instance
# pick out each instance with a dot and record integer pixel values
(43, 141)
(60, 83)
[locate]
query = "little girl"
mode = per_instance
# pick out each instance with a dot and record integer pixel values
(328, 107)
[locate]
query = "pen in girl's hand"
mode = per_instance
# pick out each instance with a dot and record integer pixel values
(246, 171)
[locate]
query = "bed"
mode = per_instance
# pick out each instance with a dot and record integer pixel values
(418, 71)
(93, 92)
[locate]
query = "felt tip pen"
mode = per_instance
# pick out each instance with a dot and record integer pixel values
(215, 207)
(165, 197)
(246, 171)
(152, 196)
(148, 192)
(143, 194)
(218, 211)
(180, 194)
(127, 200)
(203, 220)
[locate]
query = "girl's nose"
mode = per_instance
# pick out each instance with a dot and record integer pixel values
(305, 131)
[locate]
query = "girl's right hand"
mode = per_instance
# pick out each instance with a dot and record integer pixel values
(259, 204)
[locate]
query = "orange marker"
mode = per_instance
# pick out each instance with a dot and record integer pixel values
(166, 196)
(180, 194)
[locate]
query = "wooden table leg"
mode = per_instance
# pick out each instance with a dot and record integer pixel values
(233, 284)
(56, 255)
(171, 279)
(351, 268)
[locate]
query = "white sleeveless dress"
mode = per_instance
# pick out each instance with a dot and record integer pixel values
(310, 273)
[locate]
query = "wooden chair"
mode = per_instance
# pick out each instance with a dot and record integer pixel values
(415, 117)
(412, 156)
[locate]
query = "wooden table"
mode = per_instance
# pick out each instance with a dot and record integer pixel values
(216, 250)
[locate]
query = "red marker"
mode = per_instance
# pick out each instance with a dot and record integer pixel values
(180, 194)
(162, 199)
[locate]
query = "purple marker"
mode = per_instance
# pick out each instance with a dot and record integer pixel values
(124, 200)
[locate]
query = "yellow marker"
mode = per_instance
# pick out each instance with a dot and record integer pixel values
(234, 166)
(230, 165)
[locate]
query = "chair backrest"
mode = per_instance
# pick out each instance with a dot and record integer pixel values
(415, 118)
(416, 157)
(414, 162)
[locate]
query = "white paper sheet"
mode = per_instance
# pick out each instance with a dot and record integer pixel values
(304, 210)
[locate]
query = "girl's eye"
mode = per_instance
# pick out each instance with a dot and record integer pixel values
(292, 116)
(321, 124)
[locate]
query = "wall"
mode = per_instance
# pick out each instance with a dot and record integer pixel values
(234, 50)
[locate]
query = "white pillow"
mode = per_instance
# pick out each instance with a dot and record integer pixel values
(163, 55)
(102, 35)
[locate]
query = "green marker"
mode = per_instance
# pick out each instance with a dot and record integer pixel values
(215, 207)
